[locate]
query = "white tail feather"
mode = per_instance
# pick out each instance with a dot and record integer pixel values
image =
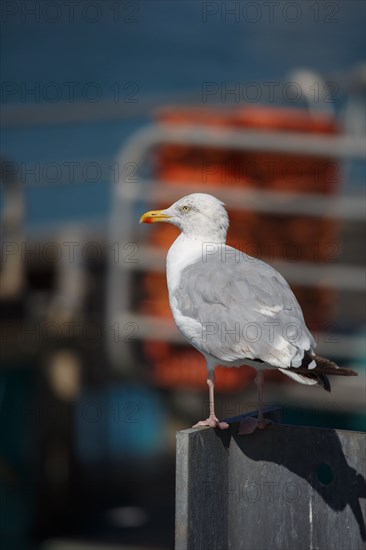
(299, 377)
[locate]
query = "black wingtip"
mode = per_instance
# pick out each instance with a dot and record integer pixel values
(324, 380)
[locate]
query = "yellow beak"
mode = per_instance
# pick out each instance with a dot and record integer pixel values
(154, 216)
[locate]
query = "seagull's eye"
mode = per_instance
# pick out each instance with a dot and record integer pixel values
(185, 208)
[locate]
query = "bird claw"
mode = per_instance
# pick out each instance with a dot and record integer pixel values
(247, 426)
(250, 424)
(263, 423)
(212, 422)
(223, 426)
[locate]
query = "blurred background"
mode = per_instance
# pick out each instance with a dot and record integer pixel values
(113, 108)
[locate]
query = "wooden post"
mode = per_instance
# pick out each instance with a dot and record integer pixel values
(281, 488)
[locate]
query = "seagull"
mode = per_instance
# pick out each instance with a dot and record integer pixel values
(233, 308)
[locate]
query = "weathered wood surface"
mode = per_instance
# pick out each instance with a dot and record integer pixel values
(282, 488)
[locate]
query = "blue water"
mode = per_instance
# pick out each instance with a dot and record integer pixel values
(150, 47)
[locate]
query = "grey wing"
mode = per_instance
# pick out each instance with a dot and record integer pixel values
(243, 309)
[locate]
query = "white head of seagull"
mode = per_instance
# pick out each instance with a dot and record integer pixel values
(199, 216)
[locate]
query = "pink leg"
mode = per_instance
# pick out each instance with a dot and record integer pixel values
(249, 424)
(212, 421)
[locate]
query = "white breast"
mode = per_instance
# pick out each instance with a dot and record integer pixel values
(183, 252)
